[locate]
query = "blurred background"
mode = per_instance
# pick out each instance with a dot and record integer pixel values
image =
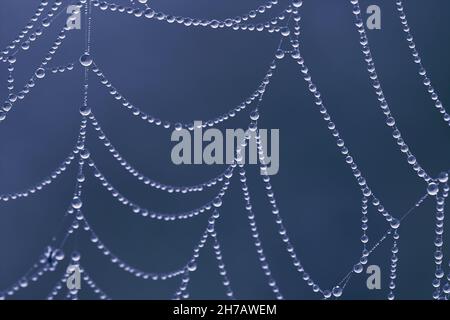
(184, 74)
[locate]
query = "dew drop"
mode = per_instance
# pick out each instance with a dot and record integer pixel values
(432, 189)
(217, 202)
(337, 291)
(358, 268)
(85, 111)
(77, 203)
(192, 266)
(86, 60)
(40, 73)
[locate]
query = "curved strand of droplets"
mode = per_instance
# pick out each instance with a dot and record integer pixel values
(53, 175)
(282, 231)
(235, 23)
(367, 192)
(376, 84)
(215, 203)
(144, 179)
(426, 80)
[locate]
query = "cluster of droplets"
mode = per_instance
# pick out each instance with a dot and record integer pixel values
(178, 126)
(141, 177)
(215, 203)
(238, 23)
(376, 84)
(418, 60)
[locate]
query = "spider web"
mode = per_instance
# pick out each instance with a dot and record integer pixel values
(287, 26)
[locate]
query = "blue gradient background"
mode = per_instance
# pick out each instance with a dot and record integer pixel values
(182, 74)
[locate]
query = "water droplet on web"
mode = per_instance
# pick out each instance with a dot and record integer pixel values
(86, 60)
